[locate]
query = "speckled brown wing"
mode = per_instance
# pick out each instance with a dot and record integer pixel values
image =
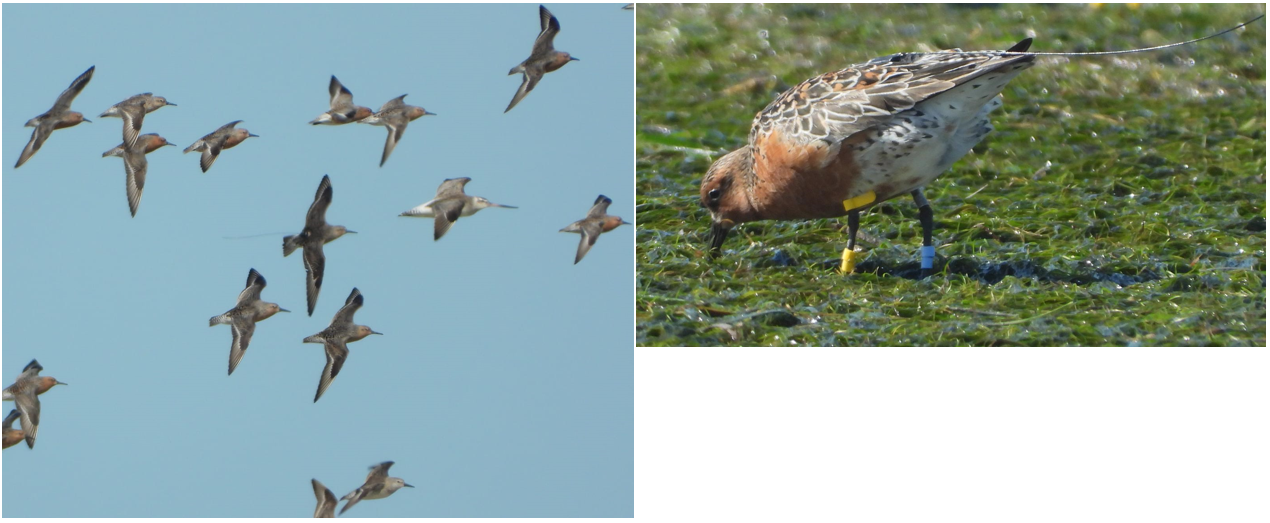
(829, 108)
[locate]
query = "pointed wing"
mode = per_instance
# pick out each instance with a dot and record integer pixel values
(316, 217)
(29, 412)
(314, 267)
(32, 368)
(345, 314)
(8, 420)
(224, 129)
(211, 152)
(352, 497)
(243, 327)
(38, 137)
(399, 101)
(378, 473)
(395, 131)
(63, 102)
(134, 165)
(452, 187)
(325, 498)
(550, 26)
(446, 212)
(117, 151)
(336, 353)
(531, 77)
(340, 95)
(600, 207)
(213, 143)
(255, 283)
(253, 277)
(133, 116)
(590, 230)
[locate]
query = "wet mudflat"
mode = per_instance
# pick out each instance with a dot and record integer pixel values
(1120, 201)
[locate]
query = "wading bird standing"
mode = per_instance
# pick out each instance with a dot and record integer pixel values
(842, 142)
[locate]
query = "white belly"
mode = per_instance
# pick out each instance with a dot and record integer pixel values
(918, 145)
(424, 210)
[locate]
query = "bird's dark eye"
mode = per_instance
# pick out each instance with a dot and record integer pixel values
(714, 195)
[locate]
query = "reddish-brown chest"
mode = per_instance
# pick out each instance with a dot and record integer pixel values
(796, 181)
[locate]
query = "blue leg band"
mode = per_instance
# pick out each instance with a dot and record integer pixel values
(928, 256)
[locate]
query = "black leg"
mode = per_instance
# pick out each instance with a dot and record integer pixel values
(853, 226)
(927, 217)
(848, 254)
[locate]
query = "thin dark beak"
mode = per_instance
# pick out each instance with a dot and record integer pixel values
(170, 103)
(408, 485)
(574, 58)
(253, 135)
(718, 233)
(280, 309)
(379, 333)
(624, 222)
(87, 120)
(62, 383)
(346, 231)
(501, 205)
(426, 113)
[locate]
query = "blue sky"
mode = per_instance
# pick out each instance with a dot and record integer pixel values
(503, 384)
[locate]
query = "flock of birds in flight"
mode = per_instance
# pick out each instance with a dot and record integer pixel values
(450, 203)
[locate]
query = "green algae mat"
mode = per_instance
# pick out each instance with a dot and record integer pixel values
(1120, 200)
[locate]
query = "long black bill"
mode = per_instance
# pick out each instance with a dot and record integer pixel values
(718, 233)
